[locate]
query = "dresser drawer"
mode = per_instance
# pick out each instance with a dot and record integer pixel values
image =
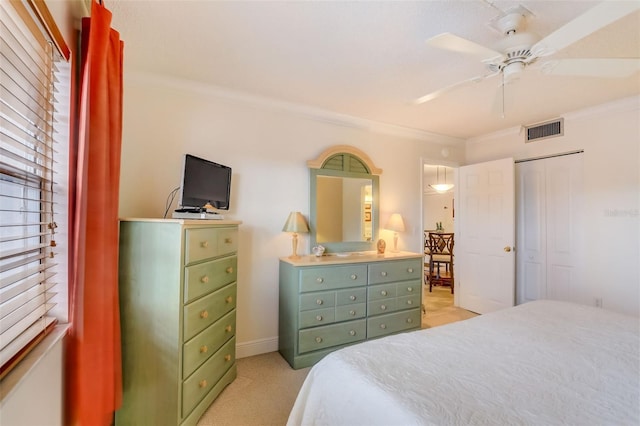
(200, 348)
(203, 312)
(385, 272)
(393, 323)
(329, 278)
(324, 299)
(317, 317)
(382, 306)
(351, 296)
(383, 291)
(205, 377)
(205, 277)
(313, 339)
(203, 243)
(409, 288)
(408, 302)
(227, 240)
(349, 312)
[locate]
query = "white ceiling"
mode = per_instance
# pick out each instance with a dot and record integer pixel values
(369, 59)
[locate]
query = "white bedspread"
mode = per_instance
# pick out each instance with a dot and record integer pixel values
(541, 363)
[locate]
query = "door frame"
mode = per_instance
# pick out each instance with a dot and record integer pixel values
(431, 161)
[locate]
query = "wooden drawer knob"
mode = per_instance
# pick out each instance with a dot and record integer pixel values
(202, 384)
(228, 240)
(227, 357)
(229, 270)
(204, 244)
(228, 329)
(203, 349)
(204, 279)
(204, 314)
(229, 299)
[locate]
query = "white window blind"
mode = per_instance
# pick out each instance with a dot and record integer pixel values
(28, 245)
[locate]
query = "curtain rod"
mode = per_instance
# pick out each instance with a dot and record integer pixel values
(580, 151)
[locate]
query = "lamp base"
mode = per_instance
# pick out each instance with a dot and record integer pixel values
(395, 243)
(294, 244)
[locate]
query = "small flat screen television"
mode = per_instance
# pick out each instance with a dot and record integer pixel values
(204, 184)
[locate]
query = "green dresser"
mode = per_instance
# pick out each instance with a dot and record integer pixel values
(177, 284)
(330, 302)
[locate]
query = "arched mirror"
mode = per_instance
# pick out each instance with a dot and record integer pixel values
(344, 204)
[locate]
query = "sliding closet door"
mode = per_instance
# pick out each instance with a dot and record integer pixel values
(549, 249)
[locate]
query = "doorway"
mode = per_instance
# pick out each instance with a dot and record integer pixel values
(438, 212)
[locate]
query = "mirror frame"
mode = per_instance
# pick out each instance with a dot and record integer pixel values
(323, 166)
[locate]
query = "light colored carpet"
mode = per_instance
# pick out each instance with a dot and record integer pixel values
(262, 394)
(266, 386)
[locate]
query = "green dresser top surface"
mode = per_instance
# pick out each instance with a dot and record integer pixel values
(347, 258)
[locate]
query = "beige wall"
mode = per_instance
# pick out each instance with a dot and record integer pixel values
(267, 145)
(439, 208)
(610, 138)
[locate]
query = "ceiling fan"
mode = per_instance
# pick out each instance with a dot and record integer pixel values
(520, 49)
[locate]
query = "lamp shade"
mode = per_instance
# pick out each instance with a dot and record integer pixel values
(395, 223)
(295, 223)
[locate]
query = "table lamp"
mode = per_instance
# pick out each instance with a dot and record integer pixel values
(295, 223)
(395, 224)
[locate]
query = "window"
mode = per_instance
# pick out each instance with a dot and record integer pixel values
(29, 160)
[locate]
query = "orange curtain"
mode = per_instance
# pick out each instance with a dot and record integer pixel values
(93, 373)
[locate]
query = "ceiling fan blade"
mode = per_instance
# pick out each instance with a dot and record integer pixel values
(431, 96)
(592, 20)
(600, 67)
(455, 43)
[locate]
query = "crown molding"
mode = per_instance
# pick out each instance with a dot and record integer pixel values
(629, 104)
(618, 106)
(309, 112)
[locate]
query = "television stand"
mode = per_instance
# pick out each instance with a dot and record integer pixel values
(178, 214)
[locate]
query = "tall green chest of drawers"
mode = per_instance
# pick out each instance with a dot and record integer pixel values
(177, 285)
(330, 302)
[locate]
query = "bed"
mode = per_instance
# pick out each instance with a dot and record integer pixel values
(540, 363)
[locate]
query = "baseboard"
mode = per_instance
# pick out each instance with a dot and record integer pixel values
(256, 347)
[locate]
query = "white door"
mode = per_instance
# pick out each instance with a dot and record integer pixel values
(549, 212)
(485, 236)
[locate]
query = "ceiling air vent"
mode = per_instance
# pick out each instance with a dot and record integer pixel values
(549, 129)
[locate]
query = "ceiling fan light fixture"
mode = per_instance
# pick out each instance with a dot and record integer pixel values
(512, 71)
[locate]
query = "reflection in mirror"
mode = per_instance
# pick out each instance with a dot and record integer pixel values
(344, 200)
(343, 209)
